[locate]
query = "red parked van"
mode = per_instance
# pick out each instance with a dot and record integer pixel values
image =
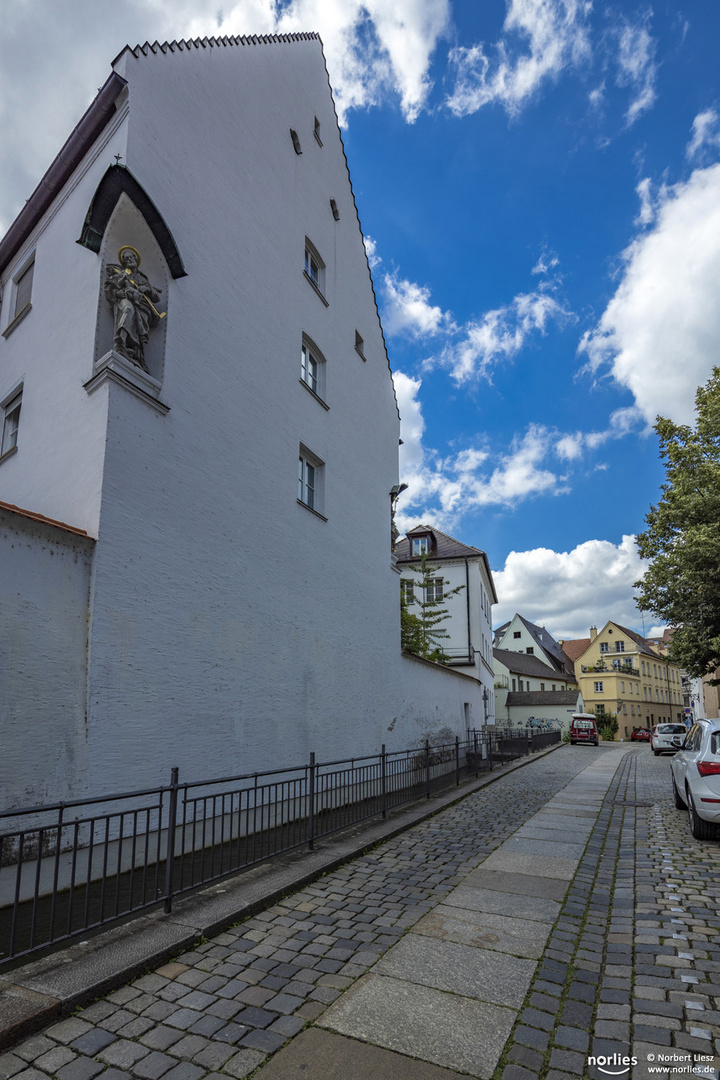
(583, 729)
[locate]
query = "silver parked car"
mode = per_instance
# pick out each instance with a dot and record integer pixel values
(696, 778)
(667, 738)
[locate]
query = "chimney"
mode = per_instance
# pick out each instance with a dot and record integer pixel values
(593, 633)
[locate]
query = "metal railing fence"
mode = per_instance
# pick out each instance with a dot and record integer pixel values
(75, 866)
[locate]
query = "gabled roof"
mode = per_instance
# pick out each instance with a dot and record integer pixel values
(546, 642)
(522, 664)
(442, 547)
(543, 639)
(640, 641)
(542, 697)
(575, 647)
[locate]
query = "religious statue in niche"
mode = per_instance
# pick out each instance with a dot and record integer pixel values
(133, 301)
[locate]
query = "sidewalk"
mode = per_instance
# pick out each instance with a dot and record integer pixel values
(450, 993)
(511, 935)
(35, 994)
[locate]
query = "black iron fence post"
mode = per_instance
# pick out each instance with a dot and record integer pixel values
(457, 761)
(311, 804)
(170, 844)
(427, 768)
(383, 780)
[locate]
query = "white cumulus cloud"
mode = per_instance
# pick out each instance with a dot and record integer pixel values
(500, 334)
(443, 488)
(407, 309)
(541, 39)
(372, 46)
(570, 591)
(660, 334)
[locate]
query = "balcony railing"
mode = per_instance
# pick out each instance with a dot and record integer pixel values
(603, 669)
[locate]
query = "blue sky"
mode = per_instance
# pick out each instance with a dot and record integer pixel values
(539, 183)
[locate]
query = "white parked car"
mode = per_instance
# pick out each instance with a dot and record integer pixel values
(667, 738)
(696, 778)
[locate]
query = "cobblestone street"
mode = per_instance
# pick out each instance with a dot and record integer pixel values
(612, 949)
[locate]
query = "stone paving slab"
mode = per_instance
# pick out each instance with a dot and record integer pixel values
(522, 884)
(459, 969)
(445, 1029)
(537, 865)
(323, 1055)
(537, 829)
(516, 905)
(546, 847)
(500, 933)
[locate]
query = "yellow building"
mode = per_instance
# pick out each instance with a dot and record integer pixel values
(623, 675)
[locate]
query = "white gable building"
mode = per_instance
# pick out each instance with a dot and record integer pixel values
(468, 624)
(199, 442)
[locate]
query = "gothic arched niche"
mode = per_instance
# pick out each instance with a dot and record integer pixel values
(116, 181)
(132, 263)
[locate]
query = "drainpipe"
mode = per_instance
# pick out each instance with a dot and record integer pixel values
(467, 601)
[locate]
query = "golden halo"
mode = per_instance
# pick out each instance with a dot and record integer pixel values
(127, 247)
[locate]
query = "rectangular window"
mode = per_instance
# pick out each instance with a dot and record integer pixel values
(619, 646)
(434, 590)
(309, 368)
(306, 483)
(530, 651)
(23, 289)
(622, 687)
(517, 633)
(604, 647)
(616, 665)
(310, 480)
(407, 591)
(542, 685)
(420, 545)
(513, 684)
(598, 688)
(314, 268)
(10, 423)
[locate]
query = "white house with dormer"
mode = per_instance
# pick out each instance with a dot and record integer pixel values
(462, 584)
(199, 442)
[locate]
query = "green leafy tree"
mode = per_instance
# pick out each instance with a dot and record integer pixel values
(682, 540)
(421, 630)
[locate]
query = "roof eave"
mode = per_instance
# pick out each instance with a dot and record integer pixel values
(95, 118)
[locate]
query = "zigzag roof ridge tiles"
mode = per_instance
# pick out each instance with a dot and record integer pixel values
(226, 41)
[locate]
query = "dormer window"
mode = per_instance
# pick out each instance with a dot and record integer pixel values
(420, 545)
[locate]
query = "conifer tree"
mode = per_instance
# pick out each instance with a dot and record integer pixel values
(421, 631)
